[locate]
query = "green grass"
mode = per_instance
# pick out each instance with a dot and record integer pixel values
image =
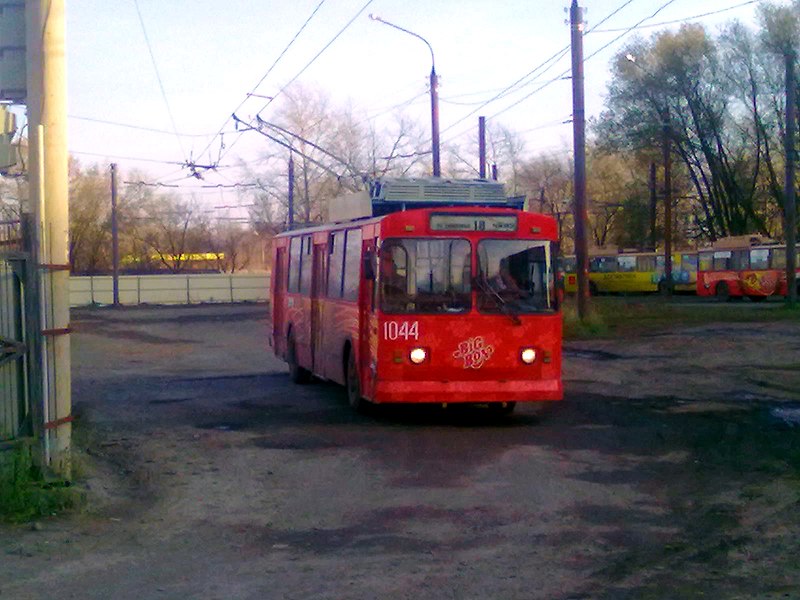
(617, 316)
(25, 494)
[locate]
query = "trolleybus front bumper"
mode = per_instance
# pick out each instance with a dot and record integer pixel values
(477, 392)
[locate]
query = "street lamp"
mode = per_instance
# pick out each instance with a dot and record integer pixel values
(434, 83)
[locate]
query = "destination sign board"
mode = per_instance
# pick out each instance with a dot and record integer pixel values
(461, 222)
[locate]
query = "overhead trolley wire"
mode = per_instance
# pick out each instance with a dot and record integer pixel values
(685, 19)
(595, 53)
(567, 71)
(540, 69)
(303, 70)
(142, 128)
(260, 81)
(160, 82)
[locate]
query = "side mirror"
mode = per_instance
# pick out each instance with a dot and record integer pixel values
(369, 266)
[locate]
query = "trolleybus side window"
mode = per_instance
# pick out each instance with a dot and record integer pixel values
(352, 264)
(645, 263)
(294, 265)
(604, 264)
(740, 260)
(306, 258)
(722, 260)
(626, 263)
(705, 261)
(778, 256)
(335, 264)
(759, 258)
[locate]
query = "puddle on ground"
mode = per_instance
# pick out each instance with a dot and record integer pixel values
(591, 354)
(790, 416)
(229, 426)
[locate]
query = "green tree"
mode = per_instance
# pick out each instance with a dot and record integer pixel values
(676, 85)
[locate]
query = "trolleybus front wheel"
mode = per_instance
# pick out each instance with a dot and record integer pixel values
(722, 292)
(296, 373)
(502, 408)
(354, 398)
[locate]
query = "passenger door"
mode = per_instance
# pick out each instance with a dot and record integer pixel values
(278, 300)
(318, 288)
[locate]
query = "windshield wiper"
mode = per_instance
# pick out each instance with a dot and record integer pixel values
(499, 301)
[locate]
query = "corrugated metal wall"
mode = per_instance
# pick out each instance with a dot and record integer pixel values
(13, 393)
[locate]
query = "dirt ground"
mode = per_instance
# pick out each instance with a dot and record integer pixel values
(666, 473)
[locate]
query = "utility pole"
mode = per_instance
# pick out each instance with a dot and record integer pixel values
(290, 220)
(482, 147)
(48, 182)
(437, 170)
(579, 149)
(790, 210)
(653, 205)
(114, 237)
(667, 147)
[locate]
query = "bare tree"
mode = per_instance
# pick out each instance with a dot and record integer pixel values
(89, 214)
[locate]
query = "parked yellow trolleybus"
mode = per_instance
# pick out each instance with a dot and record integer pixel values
(612, 271)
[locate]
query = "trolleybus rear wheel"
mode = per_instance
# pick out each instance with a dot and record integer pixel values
(296, 373)
(757, 298)
(354, 385)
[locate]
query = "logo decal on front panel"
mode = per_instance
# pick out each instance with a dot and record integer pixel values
(474, 352)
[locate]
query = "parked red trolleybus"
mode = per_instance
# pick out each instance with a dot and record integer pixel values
(446, 294)
(742, 266)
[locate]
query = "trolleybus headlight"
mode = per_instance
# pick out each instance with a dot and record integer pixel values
(418, 355)
(527, 355)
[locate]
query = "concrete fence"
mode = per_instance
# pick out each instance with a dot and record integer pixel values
(170, 289)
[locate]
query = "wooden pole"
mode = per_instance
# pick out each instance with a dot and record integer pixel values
(790, 210)
(579, 148)
(482, 147)
(114, 237)
(667, 149)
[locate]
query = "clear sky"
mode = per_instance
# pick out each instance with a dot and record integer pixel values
(209, 55)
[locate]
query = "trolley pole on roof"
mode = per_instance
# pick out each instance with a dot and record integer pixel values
(579, 145)
(790, 210)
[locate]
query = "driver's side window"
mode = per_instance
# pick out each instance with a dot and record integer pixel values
(393, 276)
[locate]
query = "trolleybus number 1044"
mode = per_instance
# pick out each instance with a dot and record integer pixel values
(394, 330)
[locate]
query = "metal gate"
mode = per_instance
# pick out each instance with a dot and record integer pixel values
(14, 343)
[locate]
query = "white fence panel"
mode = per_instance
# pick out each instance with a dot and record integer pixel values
(170, 289)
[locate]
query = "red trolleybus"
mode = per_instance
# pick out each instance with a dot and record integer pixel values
(448, 295)
(742, 266)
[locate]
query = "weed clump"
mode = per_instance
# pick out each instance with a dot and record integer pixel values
(575, 328)
(25, 493)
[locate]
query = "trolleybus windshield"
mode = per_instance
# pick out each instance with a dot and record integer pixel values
(516, 275)
(425, 275)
